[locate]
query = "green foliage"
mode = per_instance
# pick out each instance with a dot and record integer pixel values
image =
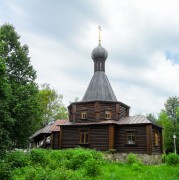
(171, 107)
(168, 130)
(136, 167)
(172, 159)
(151, 117)
(132, 158)
(164, 156)
(55, 164)
(169, 120)
(23, 106)
(92, 167)
(135, 172)
(39, 156)
(5, 170)
(6, 122)
(51, 104)
(17, 159)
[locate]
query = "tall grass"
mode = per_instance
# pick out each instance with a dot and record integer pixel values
(79, 164)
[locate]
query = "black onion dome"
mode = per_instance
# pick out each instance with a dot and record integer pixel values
(99, 53)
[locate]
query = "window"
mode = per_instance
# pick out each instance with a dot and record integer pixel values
(84, 114)
(108, 114)
(156, 143)
(84, 136)
(131, 137)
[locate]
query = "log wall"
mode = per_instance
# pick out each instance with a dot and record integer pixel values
(121, 139)
(98, 137)
(96, 111)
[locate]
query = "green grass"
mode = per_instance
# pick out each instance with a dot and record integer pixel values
(79, 164)
(114, 171)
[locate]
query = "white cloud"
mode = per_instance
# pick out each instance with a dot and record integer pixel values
(137, 35)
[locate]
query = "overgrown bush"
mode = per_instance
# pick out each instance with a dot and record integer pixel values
(92, 168)
(52, 165)
(132, 158)
(136, 167)
(164, 156)
(17, 159)
(79, 159)
(172, 159)
(39, 156)
(5, 170)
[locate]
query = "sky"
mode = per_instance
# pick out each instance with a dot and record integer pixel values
(141, 37)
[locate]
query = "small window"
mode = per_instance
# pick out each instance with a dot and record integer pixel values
(131, 137)
(84, 137)
(156, 143)
(108, 114)
(84, 114)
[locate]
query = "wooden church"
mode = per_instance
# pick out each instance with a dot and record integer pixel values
(102, 122)
(99, 121)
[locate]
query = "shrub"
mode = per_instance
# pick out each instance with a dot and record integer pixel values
(17, 159)
(92, 168)
(136, 167)
(132, 158)
(172, 159)
(164, 156)
(79, 160)
(5, 170)
(39, 156)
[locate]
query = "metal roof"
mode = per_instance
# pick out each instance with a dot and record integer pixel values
(49, 128)
(99, 88)
(139, 119)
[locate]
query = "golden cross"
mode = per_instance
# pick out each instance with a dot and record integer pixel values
(99, 27)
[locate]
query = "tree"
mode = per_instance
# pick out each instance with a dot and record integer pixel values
(6, 122)
(151, 117)
(24, 106)
(51, 104)
(171, 107)
(169, 120)
(168, 129)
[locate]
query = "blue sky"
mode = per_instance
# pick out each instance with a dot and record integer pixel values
(141, 37)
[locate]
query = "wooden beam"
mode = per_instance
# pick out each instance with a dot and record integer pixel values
(161, 141)
(149, 138)
(74, 112)
(51, 140)
(117, 111)
(97, 110)
(111, 136)
(127, 112)
(60, 137)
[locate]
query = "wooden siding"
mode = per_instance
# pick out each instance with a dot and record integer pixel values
(149, 138)
(156, 149)
(123, 112)
(98, 137)
(55, 140)
(121, 139)
(96, 111)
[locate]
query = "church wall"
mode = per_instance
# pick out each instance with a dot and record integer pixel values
(55, 140)
(156, 149)
(140, 137)
(123, 112)
(98, 137)
(96, 111)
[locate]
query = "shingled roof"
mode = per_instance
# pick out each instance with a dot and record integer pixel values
(99, 88)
